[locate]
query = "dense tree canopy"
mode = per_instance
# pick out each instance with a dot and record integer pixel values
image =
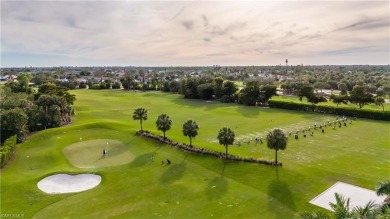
(218, 87)
(229, 88)
(174, 86)
(206, 91)
(13, 121)
(305, 91)
(266, 92)
(360, 96)
(308, 92)
(339, 99)
(250, 94)
(24, 112)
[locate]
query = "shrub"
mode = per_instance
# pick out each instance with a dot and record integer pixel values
(227, 99)
(82, 85)
(7, 150)
(116, 85)
(103, 85)
(361, 113)
(95, 86)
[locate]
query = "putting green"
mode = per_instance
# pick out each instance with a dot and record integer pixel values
(89, 154)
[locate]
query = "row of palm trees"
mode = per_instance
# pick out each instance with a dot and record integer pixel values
(276, 139)
(164, 123)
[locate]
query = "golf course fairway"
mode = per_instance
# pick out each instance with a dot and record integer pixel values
(136, 182)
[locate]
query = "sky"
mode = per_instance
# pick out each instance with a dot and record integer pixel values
(186, 33)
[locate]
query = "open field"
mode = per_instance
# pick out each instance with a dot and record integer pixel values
(330, 103)
(193, 186)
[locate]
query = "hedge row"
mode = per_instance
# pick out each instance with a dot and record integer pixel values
(7, 150)
(350, 112)
(199, 150)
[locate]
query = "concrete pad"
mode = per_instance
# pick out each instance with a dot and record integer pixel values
(358, 196)
(65, 183)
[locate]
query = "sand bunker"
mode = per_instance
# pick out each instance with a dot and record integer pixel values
(65, 183)
(358, 196)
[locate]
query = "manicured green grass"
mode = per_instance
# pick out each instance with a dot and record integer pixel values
(89, 154)
(193, 186)
(330, 103)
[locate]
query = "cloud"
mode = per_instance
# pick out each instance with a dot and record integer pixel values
(205, 20)
(289, 34)
(187, 24)
(70, 21)
(141, 33)
(216, 30)
(367, 24)
(310, 36)
(178, 13)
(216, 54)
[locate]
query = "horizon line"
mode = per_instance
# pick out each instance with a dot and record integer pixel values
(186, 66)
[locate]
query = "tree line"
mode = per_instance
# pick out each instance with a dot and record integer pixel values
(208, 88)
(359, 95)
(374, 79)
(25, 110)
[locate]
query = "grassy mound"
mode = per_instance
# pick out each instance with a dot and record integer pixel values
(89, 154)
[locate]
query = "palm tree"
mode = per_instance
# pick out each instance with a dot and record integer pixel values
(341, 210)
(190, 129)
(315, 215)
(140, 114)
(383, 188)
(367, 211)
(142, 74)
(341, 207)
(286, 65)
(277, 140)
(128, 79)
(163, 123)
(226, 137)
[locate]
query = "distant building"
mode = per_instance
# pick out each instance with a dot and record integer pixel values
(62, 80)
(10, 78)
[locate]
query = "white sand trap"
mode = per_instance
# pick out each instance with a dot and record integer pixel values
(65, 183)
(358, 196)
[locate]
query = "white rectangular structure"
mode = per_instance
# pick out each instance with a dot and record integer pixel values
(358, 196)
